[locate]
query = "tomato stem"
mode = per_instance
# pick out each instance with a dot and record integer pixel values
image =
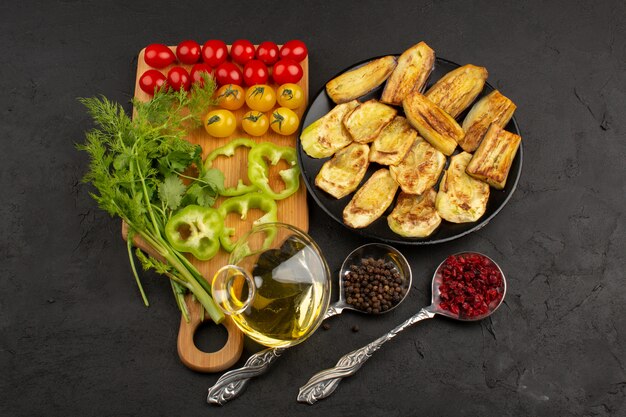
(257, 90)
(230, 91)
(287, 93)
(278, 118)
(252, 117)
(213, 119)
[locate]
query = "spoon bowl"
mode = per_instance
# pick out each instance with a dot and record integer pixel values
(375, 251)
(437, 281)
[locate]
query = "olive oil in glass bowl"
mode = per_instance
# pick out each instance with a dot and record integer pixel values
(277, 285)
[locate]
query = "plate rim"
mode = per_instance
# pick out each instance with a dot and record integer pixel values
(363, 232)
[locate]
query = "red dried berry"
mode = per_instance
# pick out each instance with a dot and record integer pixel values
(469, 283)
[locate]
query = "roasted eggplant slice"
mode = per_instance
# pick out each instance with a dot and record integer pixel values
(415, 215)
(343, 173)
(461, 198)
(414, 66)
(420, 168)
(456, 90)
(371, 200)
(367, 120)
(493, 108)
(327, 135)
(493, 158)
(360, 81)
(393, 142)
(433, 124)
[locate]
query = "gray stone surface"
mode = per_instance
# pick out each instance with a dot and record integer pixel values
(75, 338)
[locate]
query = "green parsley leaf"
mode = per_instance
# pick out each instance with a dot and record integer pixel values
(171, 191)
(215, 178)
(201, 195)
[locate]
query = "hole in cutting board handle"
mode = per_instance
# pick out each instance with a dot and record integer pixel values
(210, 337)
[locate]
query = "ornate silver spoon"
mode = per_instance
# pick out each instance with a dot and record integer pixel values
(324, 383)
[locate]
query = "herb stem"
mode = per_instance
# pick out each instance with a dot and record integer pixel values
(179, 297)
(129, 246)
(197, 289)
(148, 204)
(193, 280)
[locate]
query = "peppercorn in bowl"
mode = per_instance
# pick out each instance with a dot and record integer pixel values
(375, 278)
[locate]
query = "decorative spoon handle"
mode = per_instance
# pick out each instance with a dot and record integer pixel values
(232, 383)
(324, 383)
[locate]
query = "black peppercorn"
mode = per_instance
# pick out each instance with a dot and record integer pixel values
(373, 285)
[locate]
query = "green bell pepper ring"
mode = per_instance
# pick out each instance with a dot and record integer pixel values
(241, 205)
(228, 150)
(196, 230)
(258, 170)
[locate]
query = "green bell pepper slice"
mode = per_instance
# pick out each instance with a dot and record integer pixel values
(196, 230)
(228, 150)
(258, 170)
(241, 205)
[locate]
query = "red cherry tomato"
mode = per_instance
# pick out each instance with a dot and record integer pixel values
(287, 71)
(214, 52)
(178, 78)
(158, 55)
(188, 52)
(228, 73)
(151, 80)
(295, 50)
(255, 72)
(197, 69)
(267, 52)
(242, 51)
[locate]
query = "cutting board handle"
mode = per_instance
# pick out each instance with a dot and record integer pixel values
(201, 361)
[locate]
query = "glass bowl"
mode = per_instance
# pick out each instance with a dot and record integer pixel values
(277, 285)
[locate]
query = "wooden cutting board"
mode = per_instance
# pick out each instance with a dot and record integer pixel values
(292, 210)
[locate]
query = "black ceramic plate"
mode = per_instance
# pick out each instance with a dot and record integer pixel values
(379, 229)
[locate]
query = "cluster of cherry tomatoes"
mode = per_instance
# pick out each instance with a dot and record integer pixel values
(247, 65)
(259, 98)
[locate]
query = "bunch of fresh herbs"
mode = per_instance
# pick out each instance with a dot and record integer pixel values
(143, 170)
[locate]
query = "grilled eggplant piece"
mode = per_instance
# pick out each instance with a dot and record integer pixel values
(327, 135)
(461, 198)
(415, 215)
(343, 173)
(393, 143)
(371, 200)
(456, 90)
(367, 120)
(360, 81)
(493, 108)
(493, 158)
(433, 124)
(414, 66)
(420, 169)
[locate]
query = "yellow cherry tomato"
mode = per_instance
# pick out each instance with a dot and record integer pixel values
(220, 123)
(231, 97)
(260, 97)
(255, 123)
(284, 121)
(290, 96)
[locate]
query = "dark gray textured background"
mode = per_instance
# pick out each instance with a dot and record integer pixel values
(75, 338)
